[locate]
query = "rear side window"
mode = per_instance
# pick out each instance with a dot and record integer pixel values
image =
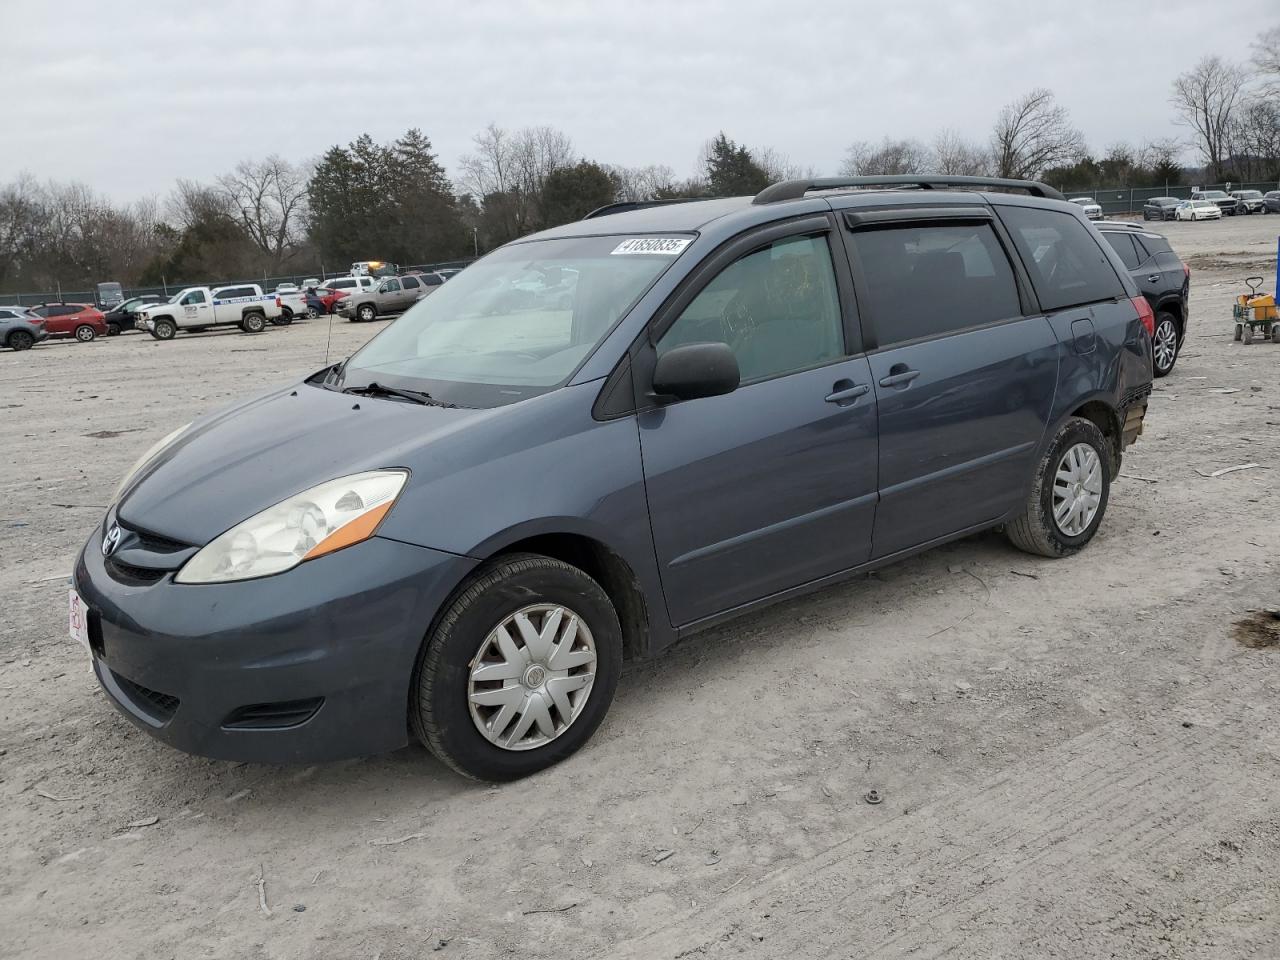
(410, 283)
(1151, 244)
(1065, 262)
(1122, 243)
(8, 315)
(432, 280)
(342, 284)
(929, 280)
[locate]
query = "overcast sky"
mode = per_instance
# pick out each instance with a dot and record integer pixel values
(129, 97)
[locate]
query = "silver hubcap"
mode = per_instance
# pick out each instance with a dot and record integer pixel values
(1166, 344)
(532, 677)
(1077, 489)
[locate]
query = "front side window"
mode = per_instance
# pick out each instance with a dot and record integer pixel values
(8, 315)
(927, 280)
(1066, 264)
(389, 286)
(776, 308)
(193, 298)
(515, 324)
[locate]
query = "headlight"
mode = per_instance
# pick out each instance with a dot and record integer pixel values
(321, 520)
(145, 459)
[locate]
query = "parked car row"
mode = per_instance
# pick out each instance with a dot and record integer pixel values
(194, 309)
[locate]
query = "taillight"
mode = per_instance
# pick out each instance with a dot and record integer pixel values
(1145, 314)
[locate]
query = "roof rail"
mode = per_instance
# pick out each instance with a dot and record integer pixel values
(795, 189)
(623, 205)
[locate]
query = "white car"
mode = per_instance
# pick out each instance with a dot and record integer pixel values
(1092, 209)
(352, 284)
(1198, 210)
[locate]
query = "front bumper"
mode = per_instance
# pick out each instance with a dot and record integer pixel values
(313, 664)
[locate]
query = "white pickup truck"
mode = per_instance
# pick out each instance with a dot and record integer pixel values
(199, 308)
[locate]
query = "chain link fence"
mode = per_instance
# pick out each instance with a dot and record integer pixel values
(1122, 200)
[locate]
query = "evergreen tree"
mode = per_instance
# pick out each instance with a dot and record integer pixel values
(732, 171)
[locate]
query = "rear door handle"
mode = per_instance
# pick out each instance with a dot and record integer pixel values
(846, 391)
(899, 377)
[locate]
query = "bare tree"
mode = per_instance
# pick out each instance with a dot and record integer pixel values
(1032, 134)
(642, 183)
(890, 157)
(192, 203)
(1253, 139)
(1205, 97)
(1266, 60)
(268, 198)
(954, 155)
(507, 170)
(779, 167)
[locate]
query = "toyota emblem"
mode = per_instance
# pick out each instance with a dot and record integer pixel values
(111, 540)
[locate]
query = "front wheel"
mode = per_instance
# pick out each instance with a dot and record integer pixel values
(1069, 495)
(253, 323)
(113, 329)
(519, 671)
(1164, 344)
(85, 333)
(164, 330)
(1248, 333)
(285, 318)
(312, 313)
(366, 313)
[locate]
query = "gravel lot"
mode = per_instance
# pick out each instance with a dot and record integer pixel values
(1077, 759)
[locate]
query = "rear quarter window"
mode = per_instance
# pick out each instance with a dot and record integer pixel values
(1122, 243)
(1066, 263)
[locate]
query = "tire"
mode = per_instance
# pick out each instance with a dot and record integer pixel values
(1275, 333)
(285, 318)
(113, 329)
(1248, 333)
(1165, 343)
(253, 323)
(1239, 332)
(440, 710)
(1036, 530)
(312, 313)
(86, 333)
(366, 313)
(164, 329)
(21, 340)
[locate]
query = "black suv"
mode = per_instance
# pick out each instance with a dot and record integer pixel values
(1163, 279)
(123, 316)
(1160, 208)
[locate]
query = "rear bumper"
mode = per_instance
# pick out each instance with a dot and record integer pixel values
(313, 664)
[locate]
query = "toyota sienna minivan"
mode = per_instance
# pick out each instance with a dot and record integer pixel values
(605, 437)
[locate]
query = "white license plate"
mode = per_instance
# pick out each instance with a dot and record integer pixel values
(79, 620)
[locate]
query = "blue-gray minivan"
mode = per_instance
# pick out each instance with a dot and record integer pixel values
(605, 437)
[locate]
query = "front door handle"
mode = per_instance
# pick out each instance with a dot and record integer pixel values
(844, 392)
(1154, 278)
(899, 376)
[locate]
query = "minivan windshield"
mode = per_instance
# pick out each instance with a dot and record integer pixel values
(515, 324)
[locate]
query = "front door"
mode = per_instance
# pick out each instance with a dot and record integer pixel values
(772, 485)
(964, 378)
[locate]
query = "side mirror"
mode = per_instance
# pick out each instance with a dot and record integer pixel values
(696, 370)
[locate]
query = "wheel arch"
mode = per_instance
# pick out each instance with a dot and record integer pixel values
(1103, 414)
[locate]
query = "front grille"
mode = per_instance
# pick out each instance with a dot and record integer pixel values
(154, 542)
(133, 576)
(268, 716)
(160, 706)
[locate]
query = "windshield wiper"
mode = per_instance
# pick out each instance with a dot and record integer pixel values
(375, 389)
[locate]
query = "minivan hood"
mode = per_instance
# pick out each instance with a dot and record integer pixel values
(236, 463)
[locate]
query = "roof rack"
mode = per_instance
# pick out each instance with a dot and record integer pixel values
(795, 189)
(623, 205)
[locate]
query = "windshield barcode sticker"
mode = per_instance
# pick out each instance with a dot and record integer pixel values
(664, 246)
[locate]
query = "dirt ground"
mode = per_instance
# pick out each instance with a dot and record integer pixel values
(1076, 759)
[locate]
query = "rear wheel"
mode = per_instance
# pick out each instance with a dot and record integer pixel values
(519, 671)
(21, 340)
(1068, 498)
(1165, 343)
(85, 333)
(312, 313)
(164, 329)
(1275, 333)
(253, 323)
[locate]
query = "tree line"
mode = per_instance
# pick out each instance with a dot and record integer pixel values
(396, 201)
